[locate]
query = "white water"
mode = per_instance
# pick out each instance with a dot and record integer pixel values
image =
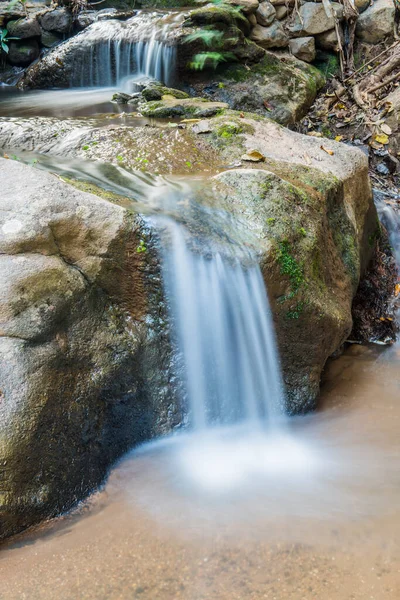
(224, 333)
(113, 52)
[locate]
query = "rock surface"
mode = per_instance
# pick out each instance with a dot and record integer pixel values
(24, 28)
(313, 19)
(376, 22)
(59, 20)
(81, 374)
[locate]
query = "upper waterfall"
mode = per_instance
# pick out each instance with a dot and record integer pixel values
(112, 51)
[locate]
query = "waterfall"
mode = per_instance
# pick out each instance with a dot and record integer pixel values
(114, 51)
(224, 333)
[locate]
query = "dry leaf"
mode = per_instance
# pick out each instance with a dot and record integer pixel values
(338, 138)
(253, 156)
(330, 152)
(190, 120)
(397, 289)
(314, 133)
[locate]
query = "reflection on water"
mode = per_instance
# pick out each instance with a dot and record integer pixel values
(313, 516)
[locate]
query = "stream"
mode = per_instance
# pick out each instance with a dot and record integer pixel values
(232, 508)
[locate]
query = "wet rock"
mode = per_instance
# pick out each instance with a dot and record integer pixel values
(80, 332)
(377, 22)
(50, 39)
(21, 54)
(59, 20)
(265, 14)
(186, 108)
(121, 98)
(156, 90)
(273, 36)
(218, 15)
(85, 18)
(313, 19)
(24, 28)
(303, 48)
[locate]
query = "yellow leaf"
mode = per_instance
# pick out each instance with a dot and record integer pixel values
(314, 133)
(191, 121)
(338, 138)
(253, 156)
(382, 138)
(397, 289)
(330, 152)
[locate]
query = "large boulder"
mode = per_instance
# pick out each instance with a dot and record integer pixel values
(377, 22)
(308, 203)
(83, 374)
(280, 87)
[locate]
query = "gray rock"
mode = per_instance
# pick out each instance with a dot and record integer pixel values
(377, 22)
(252, 19)
(24, 28)
(313, 19)
(303, 48)
(247, 6)
(21, 54)
(273, 36)
(85, 18)
(327, 40)
(265, 14)
(282, 11)
(59, 20)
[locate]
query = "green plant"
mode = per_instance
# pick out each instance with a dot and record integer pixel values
(290, 267)
(4, 40)
(141, 247)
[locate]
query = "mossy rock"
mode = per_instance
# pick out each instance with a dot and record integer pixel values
(186, 108)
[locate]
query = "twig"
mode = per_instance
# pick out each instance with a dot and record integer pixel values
(383, 83)
(371, 61)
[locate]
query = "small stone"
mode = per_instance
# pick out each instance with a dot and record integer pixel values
(328, 40)
(362, 5)
(24, 28)
(281, 12)
(247, 6)
(21, 54)
(202, 127)
(382, 169)
(303, 48)
(273, 36)
(265, 14)
(50, 39)
(59, 19)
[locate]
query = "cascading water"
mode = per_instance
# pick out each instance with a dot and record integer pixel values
(114, 51)
(224, 333)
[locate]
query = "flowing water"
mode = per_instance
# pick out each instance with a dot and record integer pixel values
(243, 505)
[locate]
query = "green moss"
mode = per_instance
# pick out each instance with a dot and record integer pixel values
(296, 310)
(290, 267)
(227, 130)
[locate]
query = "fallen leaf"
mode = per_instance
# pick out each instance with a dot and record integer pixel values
(381, 138)
(253, 156)
(190, 120)
(330, 152)
(386, 129)
(241, 115)
(338, 138)
(397, 289)
(314, 134)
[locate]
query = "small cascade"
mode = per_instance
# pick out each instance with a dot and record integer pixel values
(224, 333)
(115, 51)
